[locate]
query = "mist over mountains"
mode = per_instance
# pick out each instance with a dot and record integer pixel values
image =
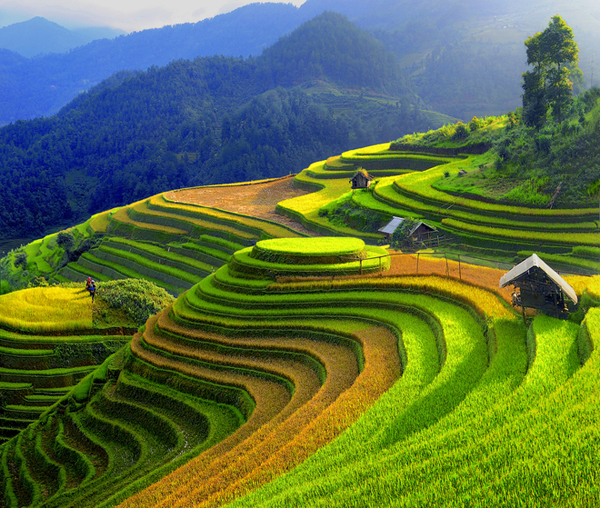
(40, 36)
(465, 58)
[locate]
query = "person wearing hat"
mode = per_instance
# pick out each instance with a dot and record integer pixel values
(90, 285)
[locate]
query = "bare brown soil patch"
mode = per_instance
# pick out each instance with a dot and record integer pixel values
(254, 199)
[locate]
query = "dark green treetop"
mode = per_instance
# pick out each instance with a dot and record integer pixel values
(551, 53)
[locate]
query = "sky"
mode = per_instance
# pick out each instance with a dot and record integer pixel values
(128, 15)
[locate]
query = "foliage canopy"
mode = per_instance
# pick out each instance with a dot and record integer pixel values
(547, 86)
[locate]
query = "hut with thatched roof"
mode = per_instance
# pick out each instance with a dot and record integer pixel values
(361, 180)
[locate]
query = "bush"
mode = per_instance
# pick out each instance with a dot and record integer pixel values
(66, 241)
(20, 260)
(139, 298)
(461, 132)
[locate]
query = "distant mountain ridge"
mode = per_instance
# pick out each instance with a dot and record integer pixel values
(211, 120)
(40, 36)
(465, 57)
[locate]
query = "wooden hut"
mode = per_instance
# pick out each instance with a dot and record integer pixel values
(419, 232)
(361, 180)
(538, 286)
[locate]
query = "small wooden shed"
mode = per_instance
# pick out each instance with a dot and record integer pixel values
(538, 286)
(361, 180)
(419, 232)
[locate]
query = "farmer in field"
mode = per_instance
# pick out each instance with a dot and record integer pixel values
(90, 285)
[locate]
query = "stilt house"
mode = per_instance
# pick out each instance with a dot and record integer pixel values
(538, 286)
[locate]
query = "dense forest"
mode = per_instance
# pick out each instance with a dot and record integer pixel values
(211, 120)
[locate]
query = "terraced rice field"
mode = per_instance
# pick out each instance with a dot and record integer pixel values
(47, 345)
(338, 389)
(173, 241)
(298, 371)
(405, 186)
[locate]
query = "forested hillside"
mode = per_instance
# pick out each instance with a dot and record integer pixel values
(211, 120)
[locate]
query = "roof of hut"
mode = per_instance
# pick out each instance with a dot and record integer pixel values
(363, 173)
(533, 261)
(395, 223)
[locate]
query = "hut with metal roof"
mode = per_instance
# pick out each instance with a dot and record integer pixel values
(361, 180)
(538, 286)
(418, 232)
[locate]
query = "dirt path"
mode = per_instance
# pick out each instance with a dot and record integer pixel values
(256, 199)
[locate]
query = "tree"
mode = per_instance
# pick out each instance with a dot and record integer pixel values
(552, 53)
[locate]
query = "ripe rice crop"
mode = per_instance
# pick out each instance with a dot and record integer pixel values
(46, 309)
(301, 445)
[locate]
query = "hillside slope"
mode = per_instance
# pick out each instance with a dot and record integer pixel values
(211, 120)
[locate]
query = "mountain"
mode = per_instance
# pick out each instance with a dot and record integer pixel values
(465, 58)
(38, 35)
(210, 120)
(41, 86)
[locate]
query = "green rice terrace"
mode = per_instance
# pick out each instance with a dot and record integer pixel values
(304, 363)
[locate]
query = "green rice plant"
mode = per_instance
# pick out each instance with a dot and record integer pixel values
(79, 465)
(275, 371)
(370, 313)
(506, 430)
(99, 223)
(565, 261)
(47, 472)
(185, 378)
(525, 236)
(125, 272)
(122, 225)
(88, 262)
(144, 266)
(419, 185)
(360, 443)
(586, 252)
(195, 224)
(77, 273)
(293, 250)
(305, 209)
(30, 489)
(221, 423)
(385, 192)
(242, 261)
(156, 255)
(8, 493)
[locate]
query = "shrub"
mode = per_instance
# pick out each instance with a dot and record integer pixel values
(66, 241)
(139, 298)
(461, 132)
(20, 260)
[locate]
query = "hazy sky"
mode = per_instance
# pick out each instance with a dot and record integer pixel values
(129, 15)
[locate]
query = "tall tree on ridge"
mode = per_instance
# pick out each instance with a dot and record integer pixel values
(548, 85)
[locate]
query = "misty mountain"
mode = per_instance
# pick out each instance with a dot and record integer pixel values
(210, 120)
(38, 35)
(464, 57)
(41, 86)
